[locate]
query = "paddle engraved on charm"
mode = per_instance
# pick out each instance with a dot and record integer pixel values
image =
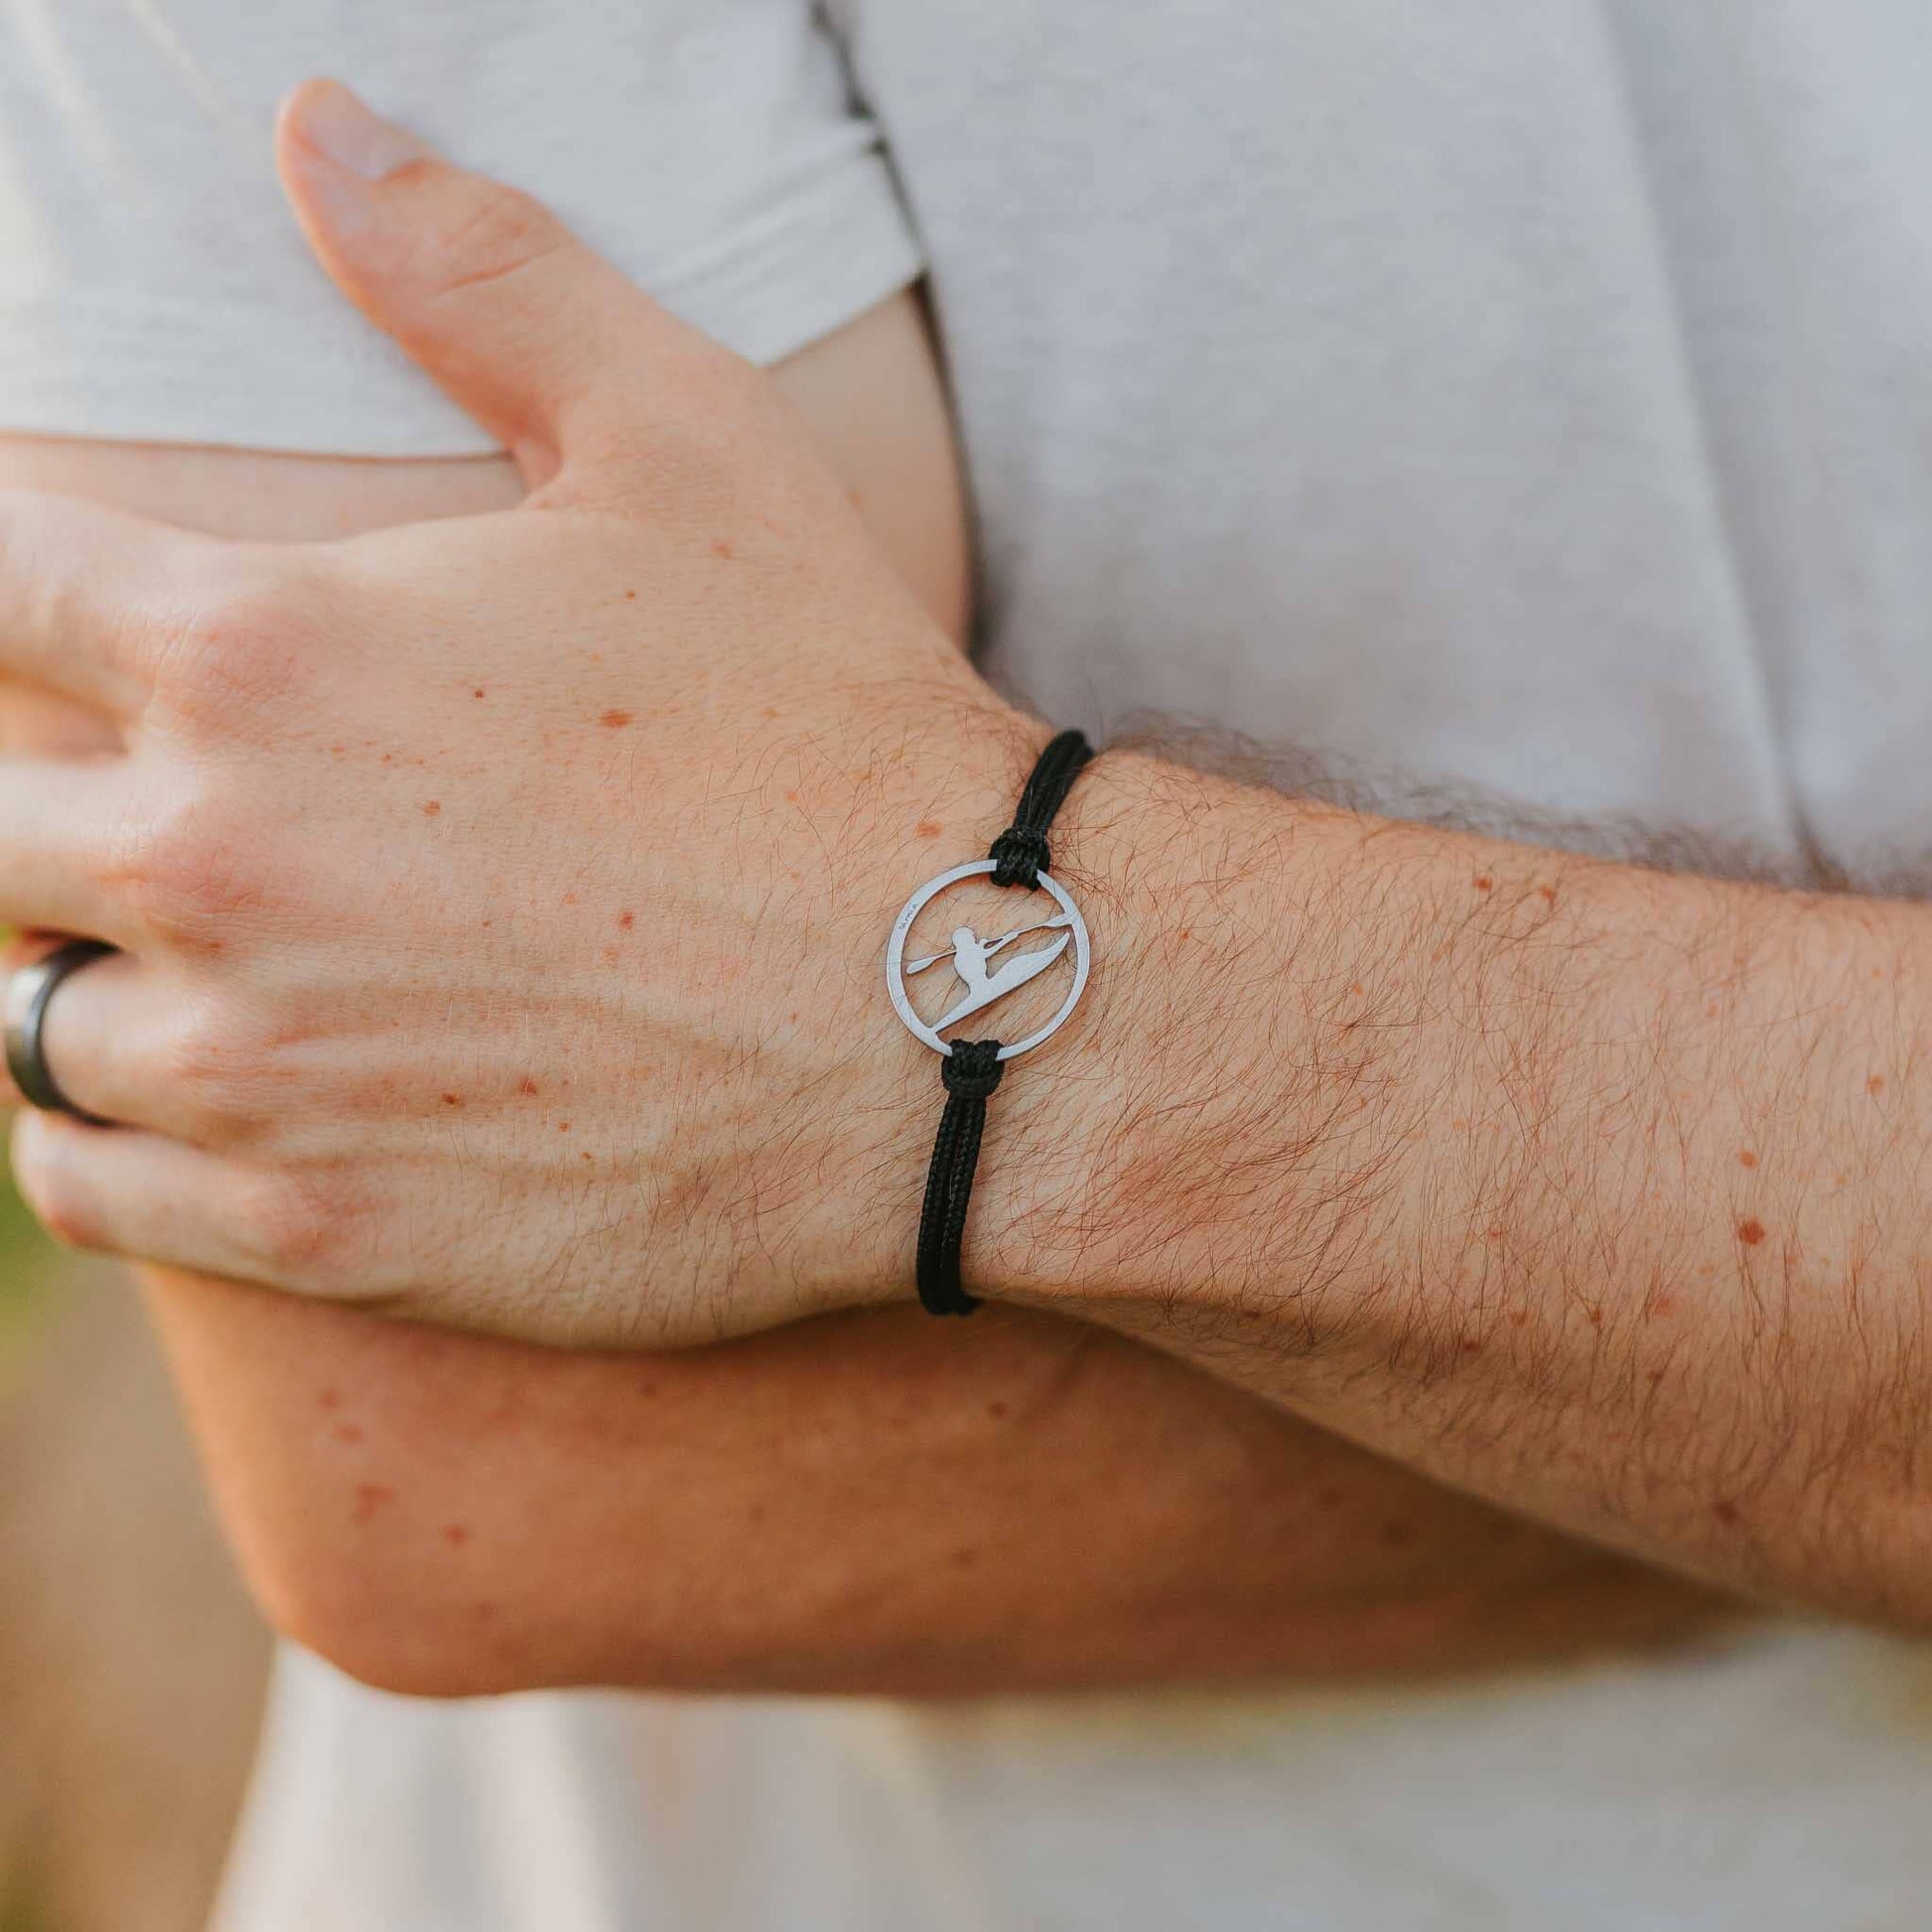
(971, 958)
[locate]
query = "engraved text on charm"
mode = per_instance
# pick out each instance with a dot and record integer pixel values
(969, 959)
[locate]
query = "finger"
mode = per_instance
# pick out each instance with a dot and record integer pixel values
(60, 827)
(111, 1038)
(85, 596)
(117, 1191)
(41, 725)
(543, 342)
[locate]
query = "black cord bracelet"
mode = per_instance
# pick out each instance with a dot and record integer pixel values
(972, 1068)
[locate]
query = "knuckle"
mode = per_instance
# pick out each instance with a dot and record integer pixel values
(242, 650)
(189, 870)
(221, 1071)
(295, 1228)
(486, 234)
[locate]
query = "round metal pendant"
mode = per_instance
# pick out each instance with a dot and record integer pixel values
(980, 983)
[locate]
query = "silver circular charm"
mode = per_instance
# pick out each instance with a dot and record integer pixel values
(969, 956)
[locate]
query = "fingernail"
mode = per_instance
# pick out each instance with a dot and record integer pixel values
(337, 125)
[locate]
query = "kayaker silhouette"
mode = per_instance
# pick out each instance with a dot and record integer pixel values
(969, 956)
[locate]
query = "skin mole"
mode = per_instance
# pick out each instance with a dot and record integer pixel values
(1750, 1232)
(372, 1498)
(616, 720)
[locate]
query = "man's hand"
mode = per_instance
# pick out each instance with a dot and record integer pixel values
(500, 897)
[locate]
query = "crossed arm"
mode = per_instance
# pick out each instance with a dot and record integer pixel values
(1574, 1184)
(870, 1504)
(1580, 1185)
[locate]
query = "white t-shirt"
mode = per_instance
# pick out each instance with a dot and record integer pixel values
(154, 288)
(1526, 394)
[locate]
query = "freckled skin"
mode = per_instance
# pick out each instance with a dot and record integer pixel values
(1750, 1232)
(616, 720)
(704, 1543)
(598, 1546)
(1746, 1158)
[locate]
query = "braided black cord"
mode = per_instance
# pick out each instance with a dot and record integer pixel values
(971, 1070)
(1020, 853)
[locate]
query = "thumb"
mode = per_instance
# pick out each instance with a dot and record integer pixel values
(544, 343)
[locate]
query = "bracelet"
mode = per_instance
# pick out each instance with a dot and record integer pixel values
(971, 1068)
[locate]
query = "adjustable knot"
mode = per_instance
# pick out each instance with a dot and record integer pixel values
(971, 1070)
(1020, 855)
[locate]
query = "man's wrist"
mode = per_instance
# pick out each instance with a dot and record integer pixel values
(928, 781)
(1105, 1184)
(1200, 1132)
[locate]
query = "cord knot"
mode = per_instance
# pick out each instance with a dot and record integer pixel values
(973, 1069)
(1020, 855)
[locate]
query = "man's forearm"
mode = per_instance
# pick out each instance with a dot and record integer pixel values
(1592, 1189)
(872, 1504)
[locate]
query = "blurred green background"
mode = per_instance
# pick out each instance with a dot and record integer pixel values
(23, 1276)
(22, 1253)
(131, 1664)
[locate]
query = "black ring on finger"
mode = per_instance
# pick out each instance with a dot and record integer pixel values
(30, 991)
